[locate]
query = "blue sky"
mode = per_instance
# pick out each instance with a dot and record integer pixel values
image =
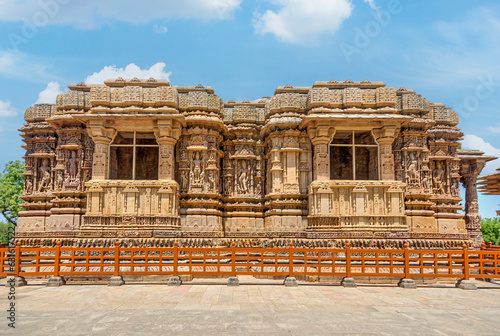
(448, 51)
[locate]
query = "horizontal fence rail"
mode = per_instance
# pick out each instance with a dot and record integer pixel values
(115, 261)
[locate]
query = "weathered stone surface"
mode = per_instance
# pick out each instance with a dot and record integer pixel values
(56, 281)
(116, 281)
(174, 281)
(146, 163)
(466, 284)
(407, 283)
(233, 281)
(348, 282)
(291, 282)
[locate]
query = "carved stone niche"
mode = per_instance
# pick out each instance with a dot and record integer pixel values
(356, 206)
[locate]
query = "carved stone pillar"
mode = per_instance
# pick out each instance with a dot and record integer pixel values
(472, 216)
(167, 138)
(385, 138)
(102, 138)
(320, 139)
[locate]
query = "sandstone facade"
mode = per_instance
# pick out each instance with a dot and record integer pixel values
(148, 164)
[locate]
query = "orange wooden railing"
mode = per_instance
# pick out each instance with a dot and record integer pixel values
(490, 246)
(232, 261)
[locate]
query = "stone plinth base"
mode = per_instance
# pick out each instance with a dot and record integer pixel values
(116, 281)
(466, 284)
(291, 282)
(15, 282)
(407, 283)
(233, 281)
(174, 281)
(348, 282)
(56, 282)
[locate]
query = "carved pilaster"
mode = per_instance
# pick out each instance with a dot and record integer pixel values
(102, 138)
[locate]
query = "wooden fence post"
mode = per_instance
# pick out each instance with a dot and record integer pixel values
(407, 260)
(56, 280)
(483, 245)
(290, 259)
(348, 260)
(176, 251)
(407, 282)
(233, 259)
(17, 260)
(117, 259)
(57, 256)
(465, 253)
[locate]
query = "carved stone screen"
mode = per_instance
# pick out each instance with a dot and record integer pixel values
(354, 156)
(134, 156)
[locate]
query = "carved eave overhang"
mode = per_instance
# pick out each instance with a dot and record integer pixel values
(472, 162)
(490, 184)
(134, 121)
(333, 84)
(361, 121)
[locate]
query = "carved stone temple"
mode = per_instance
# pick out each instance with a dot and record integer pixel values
(148, 163)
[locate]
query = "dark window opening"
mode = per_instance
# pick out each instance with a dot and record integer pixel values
(134, 156)
(354, 155)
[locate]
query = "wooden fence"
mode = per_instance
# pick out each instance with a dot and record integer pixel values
(116, 261)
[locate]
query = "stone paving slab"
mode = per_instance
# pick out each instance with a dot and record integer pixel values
(256, 307)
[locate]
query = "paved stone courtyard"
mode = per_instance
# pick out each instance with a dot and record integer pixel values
(256, 307)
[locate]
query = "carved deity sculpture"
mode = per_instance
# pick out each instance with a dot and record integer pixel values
(438, 178)
(413, 173)
(29, 185)
(243, 178)
(455, 191)
(211, 181)
(197, 169)
(184, 179)
(73, 166)
(227, 186)
(258, 188)
(59, 180)
(426, 183)
(45, 178)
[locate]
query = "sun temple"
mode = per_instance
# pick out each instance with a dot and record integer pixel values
(148, 163)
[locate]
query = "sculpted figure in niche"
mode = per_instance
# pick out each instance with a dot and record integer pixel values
(455, 192)
(29, 185)
(45, 178)
(227, 186)
(413, 173)
(438, 178)
(426, 183)
(258, 188)
(197, 168)
(243, 177)
(59, 180)
(211, 181)
(184, 179)
(73, 166)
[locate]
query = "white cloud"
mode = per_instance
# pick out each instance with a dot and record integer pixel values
(460, 50)
(303, 22)
(6, 110)
(91, 14)
(372, 4)
(129, 72)
(494, 129)
(160, 29)
(17, 64)
(49, 95)
(474, 142)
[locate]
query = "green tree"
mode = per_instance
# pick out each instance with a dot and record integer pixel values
(490, 227)
(11, 189)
